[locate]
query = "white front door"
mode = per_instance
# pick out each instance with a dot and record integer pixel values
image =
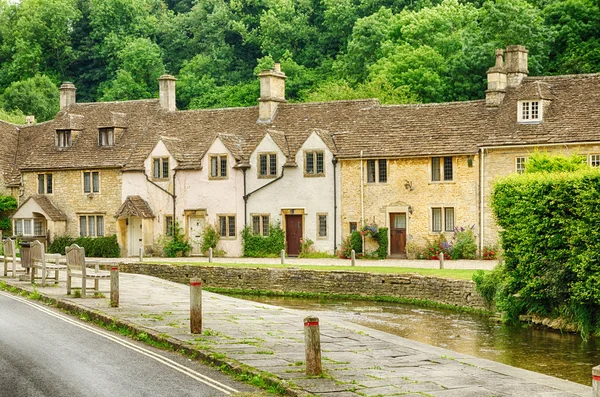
(135, 235)
(195, 230)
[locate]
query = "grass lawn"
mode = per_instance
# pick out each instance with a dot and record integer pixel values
(460, 274)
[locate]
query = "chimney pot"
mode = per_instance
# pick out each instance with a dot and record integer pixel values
(166, 92)
(496, 82)
(67, 94)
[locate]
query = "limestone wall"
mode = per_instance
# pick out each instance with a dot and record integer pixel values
(410, 286)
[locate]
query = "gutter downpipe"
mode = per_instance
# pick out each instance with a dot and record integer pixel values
(245, 200)
(362, 201)
(247, 196)
(335, 223)
(481, 202)
(173, 196)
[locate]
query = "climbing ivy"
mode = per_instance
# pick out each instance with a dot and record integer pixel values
(257, 246)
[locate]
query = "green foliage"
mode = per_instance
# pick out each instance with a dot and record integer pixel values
(463, 244)
(551, 243)
(306, 248)
(15, 117)
(437, 245)
(97, 247)
(7, 205)
(210, 238)
(176, 245)
(490, 252)
(382, 240)
(36, 96)
(547, 162)
(356, 242)
(257, 246)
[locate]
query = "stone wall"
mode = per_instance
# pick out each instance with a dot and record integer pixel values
(409, 286)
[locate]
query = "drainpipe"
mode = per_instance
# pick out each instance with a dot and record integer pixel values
(334, 162)
(247, 196)
(481, 200)
(245, 200)
(173, 196)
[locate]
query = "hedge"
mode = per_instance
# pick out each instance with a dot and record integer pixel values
(551, 240)
(98, 247)
(257, 246)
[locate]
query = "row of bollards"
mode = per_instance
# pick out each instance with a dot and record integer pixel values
(312, 334)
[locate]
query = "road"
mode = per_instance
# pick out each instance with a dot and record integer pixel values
(46, 353)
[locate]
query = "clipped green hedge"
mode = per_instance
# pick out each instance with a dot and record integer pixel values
(98, 247)
(551, 241)
(257, 246)
(382, 239)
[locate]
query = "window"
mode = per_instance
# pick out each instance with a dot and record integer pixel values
(227, 226)
(63, 138)
(91, 225)
(168, 225)
(19, 227)
(45, 185)
(106, 137)
(260, 225)
(218, 166)
(353, 227)
(520, 164)
(314, 163)
(38, 227)
(160, 168)
(529, 111)
(377, 171)
(595, 160)
(267, 165)
(441, 167)
(91, 182)
(322, 226)
(442, 219)
(29, 227)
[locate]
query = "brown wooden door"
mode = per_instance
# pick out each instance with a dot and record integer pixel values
(398, 233)
(293, 234)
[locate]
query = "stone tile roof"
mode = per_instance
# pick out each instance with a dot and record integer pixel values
(48, 206)
(572, 114)
(135, 206)
(9, 138)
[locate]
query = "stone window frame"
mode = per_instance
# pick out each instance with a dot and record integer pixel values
(530, 111)
(63, 139)
(444, 218)
(228, 235)
(319, 217)
(315, 166)
(163, 167)
(98, 227)
(271, 169)
(91, 186)
(439, 173)
(263, 221)
(352, 227)
(379, 175)
(43, 187)
(218, 173)
(520, 162)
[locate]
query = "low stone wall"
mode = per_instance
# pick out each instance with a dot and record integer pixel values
(409, 286)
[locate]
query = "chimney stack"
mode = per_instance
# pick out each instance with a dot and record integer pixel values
(516, 64)
(272, 93)
(67, 94)
(166, 89)
(496, 79)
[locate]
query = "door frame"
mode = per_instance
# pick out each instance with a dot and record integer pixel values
(391, 238)
(395, 209)
(187, 214)
(293, 211)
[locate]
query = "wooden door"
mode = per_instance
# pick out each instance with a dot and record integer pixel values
(135, 235)
(293, 234)
(398, 233)
(195, 231)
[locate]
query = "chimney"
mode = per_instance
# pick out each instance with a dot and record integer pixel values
(30, 120)
(166, 89)
(272, 93)
(67, 94)
(496, 82)
(516, 64)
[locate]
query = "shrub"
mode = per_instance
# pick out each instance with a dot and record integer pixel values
(463, 244)
(99, 247)
(176, 245)
(356, 242)
(437, 245)
(345, 250)
(257, 246)
(382, 239)
(306, 248)
(414, 250)
(210, 239)
(490, 252)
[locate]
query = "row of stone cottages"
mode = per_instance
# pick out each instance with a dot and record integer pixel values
(321, 170)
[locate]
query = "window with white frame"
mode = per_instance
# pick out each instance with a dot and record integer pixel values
(29, 227)
(63, 138)
(377, 171)
(267, 165)
(226, 226)
(106, 137)
(260, 224)
(91, 225)
(218, 166)
(442, 219)
(314, 163)
(322, 226)
(45, 184)
(91, 182)
(595, 160)
(529, 111)
(160, 168)
(520, 164)
(442, 169)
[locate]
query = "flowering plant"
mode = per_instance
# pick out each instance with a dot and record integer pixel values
(369, 230)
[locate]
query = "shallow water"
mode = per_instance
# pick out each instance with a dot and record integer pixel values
(562, 355)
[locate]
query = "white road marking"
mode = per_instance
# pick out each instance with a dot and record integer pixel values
(155, 356)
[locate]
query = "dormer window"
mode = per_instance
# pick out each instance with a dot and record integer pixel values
(530, 111)
(63, 138)
(106, 137)
(160, 168)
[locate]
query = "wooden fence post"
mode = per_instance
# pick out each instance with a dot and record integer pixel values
(196, 306)
(312, 340)
(114, 286)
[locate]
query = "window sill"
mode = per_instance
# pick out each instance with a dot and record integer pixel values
(529, 121)
(228, 238)
(442, 182)
(267, 176)
(161, 179)
(313, 175)
(217, 178)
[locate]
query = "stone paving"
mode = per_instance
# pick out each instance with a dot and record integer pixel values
(357, 360)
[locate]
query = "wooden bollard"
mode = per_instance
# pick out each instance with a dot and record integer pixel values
(441, 260)
(353, 257)
(596, 381)
(283, 257)
(196, 306)
(114, 286)
(210, 255)
(312, 341)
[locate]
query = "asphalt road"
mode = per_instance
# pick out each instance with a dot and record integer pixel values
(46, 353)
